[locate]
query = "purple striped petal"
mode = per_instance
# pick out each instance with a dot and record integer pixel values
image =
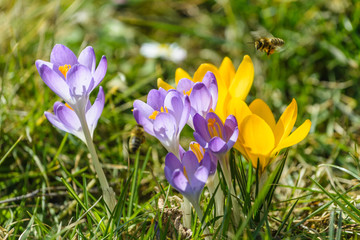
(191, 164)
(87, 58)
(80, 80)
(166, 131)
(141, 113)
(184, 85)
(175, 105)
(68, 117)
(54, 120)
(199, 180)
(217, 145)
(61, 55)
(201, 129)
(100, 71)
(200, 99)
(54, 82)
(155, 99)
(94, 113)
(171, 164)
(181, 183)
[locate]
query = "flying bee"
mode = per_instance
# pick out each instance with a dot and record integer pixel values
(265, 42)
(137, 137)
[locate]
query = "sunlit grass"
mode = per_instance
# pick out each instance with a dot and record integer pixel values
(47, 187)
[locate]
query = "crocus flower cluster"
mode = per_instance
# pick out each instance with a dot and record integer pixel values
(73, 79)
(212, 102)
(164, 116)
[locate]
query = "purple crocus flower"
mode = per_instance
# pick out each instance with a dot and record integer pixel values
(72, 78)
(212, 134)
(203, 95)
(199, 152)
(66, 119)
(163, 116)
(189, 175)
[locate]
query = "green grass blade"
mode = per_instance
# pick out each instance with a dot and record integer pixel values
(286, 218)
(11, 148)
(134, 184)
(332, 225)
(339, 227)
(342, 206)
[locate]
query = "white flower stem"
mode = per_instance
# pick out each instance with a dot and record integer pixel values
(212, 184)
(186, 208)
(224, 163)
(108, 192)
(201, 216)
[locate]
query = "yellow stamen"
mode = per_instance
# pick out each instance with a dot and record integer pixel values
(185, 173)
(214, 128)
(188, 92)
(68, 106)
(64, 69)
(153, 115)
(166, 110)
(195, 148)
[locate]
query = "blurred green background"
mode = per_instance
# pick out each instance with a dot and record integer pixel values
(319, 67)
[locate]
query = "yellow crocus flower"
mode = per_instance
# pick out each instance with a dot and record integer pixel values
(260, 136)
(232, 85)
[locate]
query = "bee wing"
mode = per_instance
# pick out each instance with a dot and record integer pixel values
(261, 32)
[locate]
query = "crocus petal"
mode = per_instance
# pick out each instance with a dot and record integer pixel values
(100, 71)
(200, 177)
(201, 99)
(61, 55)
(178, 106)
(241, 109)
(233, 138)
(184, 85)
(55, 82)
(201, 129)
(208, 79)
(219, 126)
(297, 136)
(257, 135)
(200, 139)
(212, 87)
(213, 163)
(94, 113)
(191, 164)
(181, 183)
(80, 80)
(217, 145)
(230, 125)
(260, 108)
(227, 71)
(181, 73)
(203, 69)
(54, 120)
(162, 84)
(87, 58)
(68, 117)
(286, 122)
(243, 79)
(141, 113)
(155, 99)
(166, 131)
(171, 164)
(56, 105)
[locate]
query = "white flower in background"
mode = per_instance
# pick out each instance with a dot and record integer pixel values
(167, 51)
